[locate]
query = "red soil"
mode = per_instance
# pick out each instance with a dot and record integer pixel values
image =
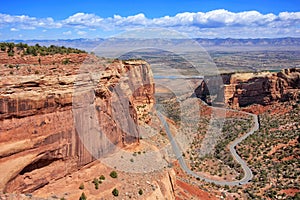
(193, 191)
(290, 191)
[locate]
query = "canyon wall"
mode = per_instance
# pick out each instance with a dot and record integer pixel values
(243, 89)
(53, 124)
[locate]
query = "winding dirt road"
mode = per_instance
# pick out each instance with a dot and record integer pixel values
(247, 171)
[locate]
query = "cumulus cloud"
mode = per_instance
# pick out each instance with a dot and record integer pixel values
(81, 32)
(289, 15)
(213, 19)
(67, 33)
(26, 22)
(214, 23)
(83, 20)
(136, 20)
(217, 18)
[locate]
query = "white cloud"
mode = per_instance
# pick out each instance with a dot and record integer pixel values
(289, 15)
(14, 29)
(138, 19)
(216, 18)
(83, 20)
(81, 32)
(216, 23)
(67, 33)
(26, 22)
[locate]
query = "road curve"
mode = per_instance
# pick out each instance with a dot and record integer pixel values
(247, 171)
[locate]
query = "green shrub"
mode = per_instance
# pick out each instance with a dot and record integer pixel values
(81, 186)
(102, 177)
(83, 196)
(140, 192)
(10, 53)
(66, 61)
(3, 48)
(95, 181)
(113, 174)
(115, 192)
(37, 49)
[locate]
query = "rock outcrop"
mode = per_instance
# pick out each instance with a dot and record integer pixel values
(54, 124)
(243, 89)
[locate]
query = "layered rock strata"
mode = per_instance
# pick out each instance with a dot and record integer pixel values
(52, 125)
(243, 89)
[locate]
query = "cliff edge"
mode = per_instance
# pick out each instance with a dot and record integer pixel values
(44, 111)
(243, 89)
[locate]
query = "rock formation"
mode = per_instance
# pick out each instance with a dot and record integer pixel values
(243, 89)
(52, 124)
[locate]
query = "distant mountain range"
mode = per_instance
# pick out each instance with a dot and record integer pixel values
(210, 44)
(250, 42)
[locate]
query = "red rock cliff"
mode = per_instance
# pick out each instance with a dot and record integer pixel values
(53, 124)
(243, 89)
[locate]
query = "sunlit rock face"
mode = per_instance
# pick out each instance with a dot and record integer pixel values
(52, 124)
(243, 89)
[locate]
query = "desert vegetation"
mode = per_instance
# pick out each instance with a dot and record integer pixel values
(83, 196)
(273, 153)
(115, 192)
(36, 50)
(81, 186)
(113, 174)
(169, 107)
(219, 162)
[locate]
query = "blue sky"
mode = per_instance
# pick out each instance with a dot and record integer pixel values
(197, 18)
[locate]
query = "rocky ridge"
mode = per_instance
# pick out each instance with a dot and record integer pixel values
(243, 89)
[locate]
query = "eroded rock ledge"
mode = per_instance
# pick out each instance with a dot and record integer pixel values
(43, 119)
(243, 89)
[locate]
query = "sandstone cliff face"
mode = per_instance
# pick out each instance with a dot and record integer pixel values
(243, 89)
(166, 186)
(52, 125)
